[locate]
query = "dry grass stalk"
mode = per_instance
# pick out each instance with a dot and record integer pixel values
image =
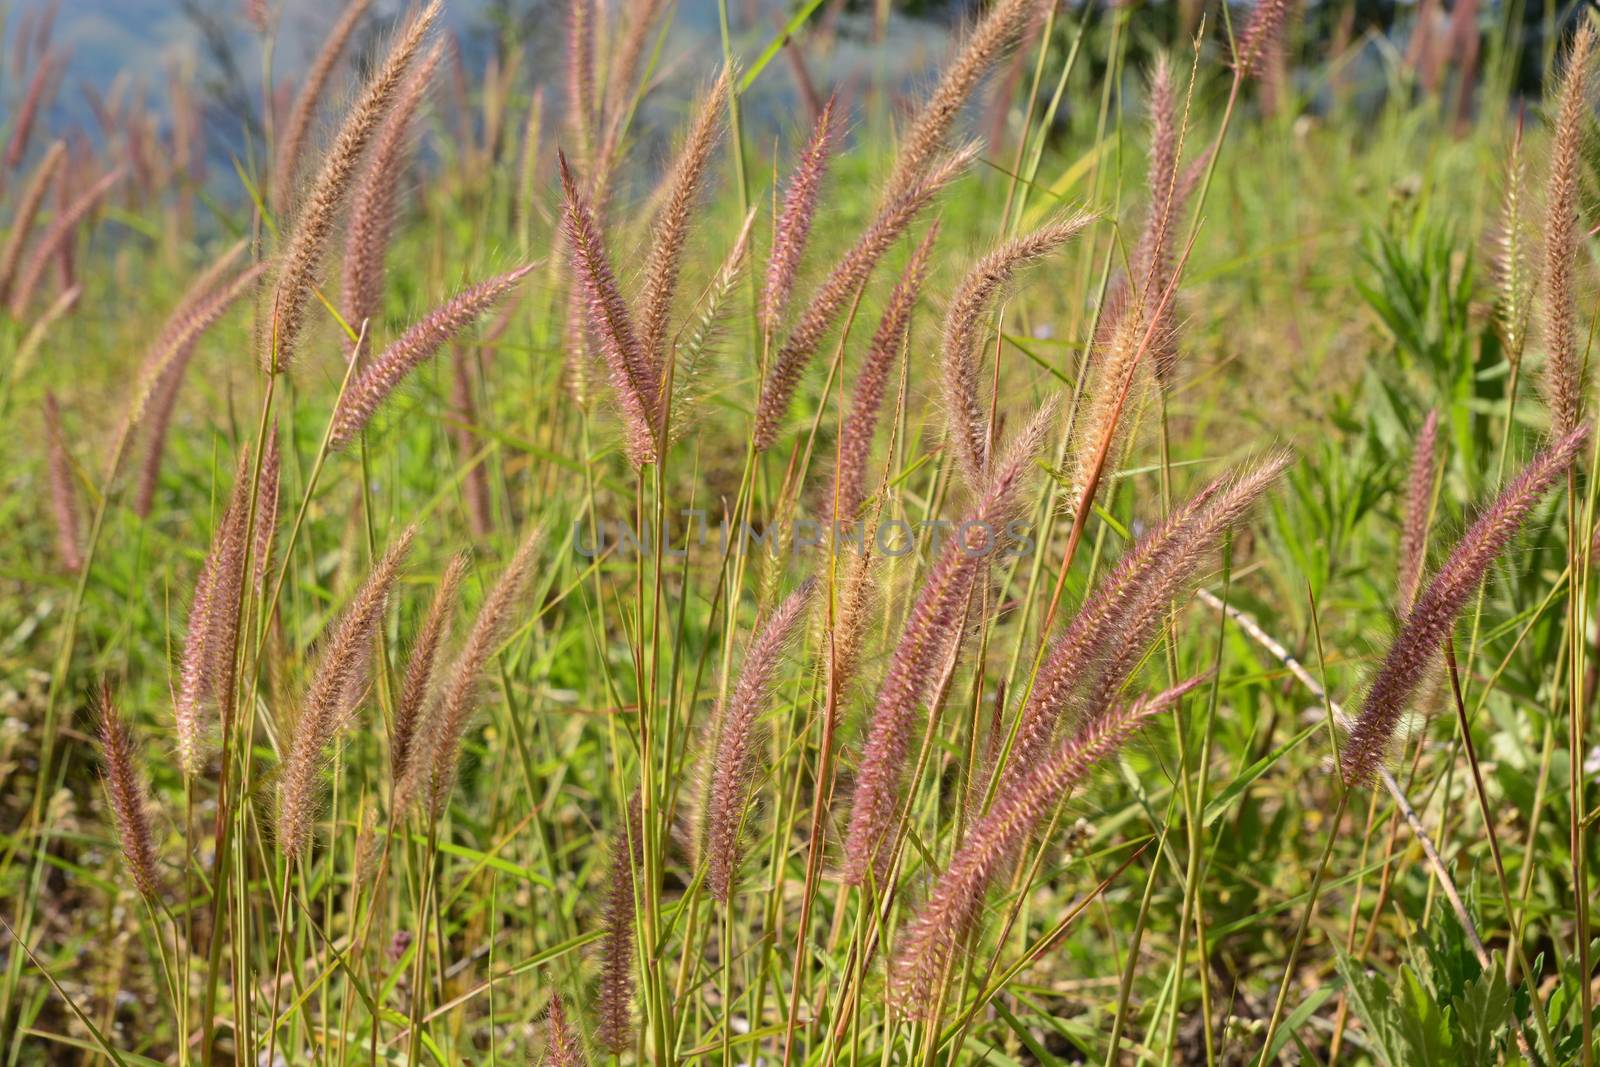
(792, 227)
(374, 205)
(26, 211)
(964, 334)
(932, 627)
(421, 664)
(1563, 375)
(872, 381)
(332, 698)
(738, 740)
(414, 347)
(125, 790)
(665, 257)
(308, 239)
(297, 128)
(925, 949)
(1428, 623)
(846, 278)
(63, 491)
(926, 135)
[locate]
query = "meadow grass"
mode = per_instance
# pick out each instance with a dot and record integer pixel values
(1086, 559)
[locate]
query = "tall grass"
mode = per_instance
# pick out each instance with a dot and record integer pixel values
(860, 595)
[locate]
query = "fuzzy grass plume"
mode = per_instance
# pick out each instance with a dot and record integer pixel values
(126, 793)
(664, 260)
(1419, 500)
(431, 769)
(926, 135)
(872, 382)
(964, 333)
(614, 1004)
(635, 379)
(414, 347)
(792, 227)
(924, 950)
(1098, 651)
(843, 282)
(1563, 374)
(330, 700)
(301, 264)
(421, 664)
(738, 737)
(63, 490)
(1428, 623)
(25, 212)
(375, 204)
(313, 90)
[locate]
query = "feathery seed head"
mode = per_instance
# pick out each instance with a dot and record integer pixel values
(664, 260)
(861, 423)
(374, 205)
(26, 210)
(635, 379)
(926, 135)
(563, 1047)
(125, 790)
(1563, 375)
(297, 130)
(308, 238)
(1106, 639)
(615, 1003)
(1261, 32)
(963, 329)
(927, 945)
(738, 741)
(1428, 623)
(420, 666)
(417, 345)
(63, 491)
(1419, 495)
(846, 278)
(792, 227)
(329, 700)
(431, 766)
